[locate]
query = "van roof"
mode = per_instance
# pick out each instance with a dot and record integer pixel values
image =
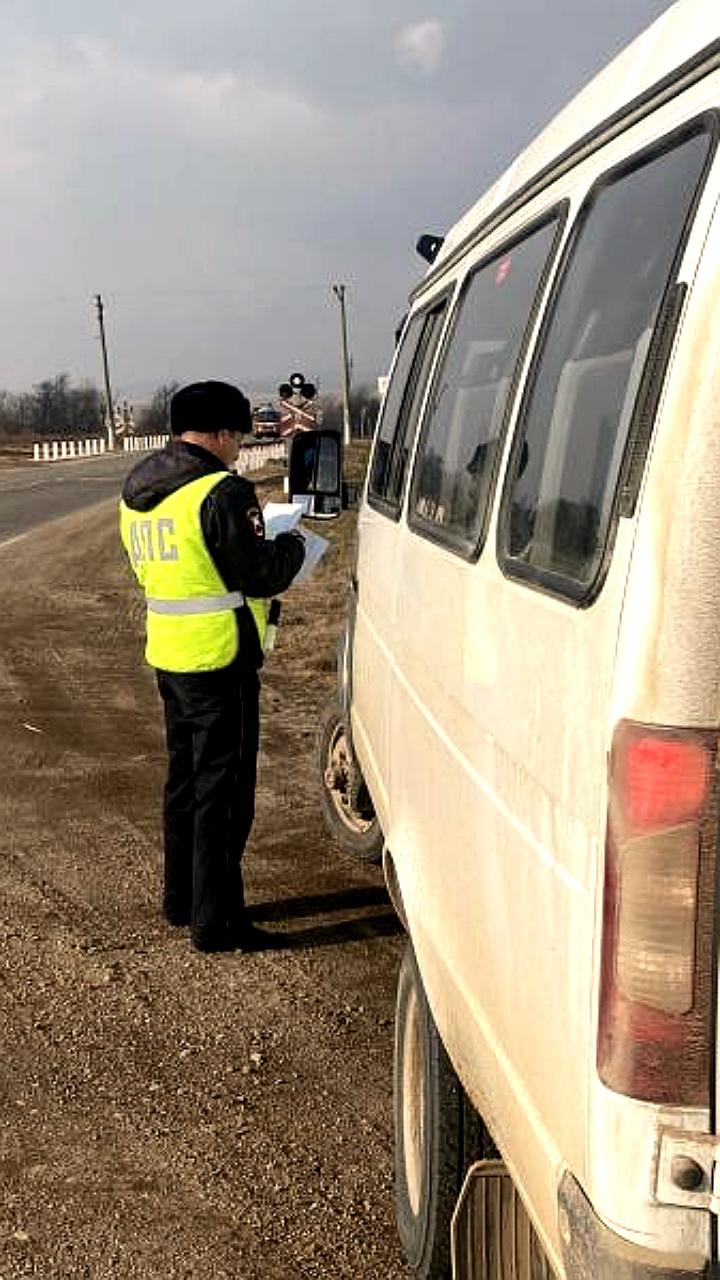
(675, 40)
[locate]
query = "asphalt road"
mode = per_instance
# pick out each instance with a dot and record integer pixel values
(32, 495)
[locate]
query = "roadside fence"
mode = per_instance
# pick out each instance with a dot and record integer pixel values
(142, 444)
(53, 450)
(255, 455)
(249, 459)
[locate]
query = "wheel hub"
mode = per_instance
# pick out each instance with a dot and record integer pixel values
(345, 784)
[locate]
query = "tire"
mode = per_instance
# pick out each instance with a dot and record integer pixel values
(345, 801)
(438, 1134)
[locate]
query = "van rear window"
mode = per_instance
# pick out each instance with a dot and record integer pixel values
(576, 418)
(456, 458)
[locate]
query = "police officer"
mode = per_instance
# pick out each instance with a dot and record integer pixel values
(194, 534)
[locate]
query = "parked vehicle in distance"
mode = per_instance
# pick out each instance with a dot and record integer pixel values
(530, 687)
(266, 421)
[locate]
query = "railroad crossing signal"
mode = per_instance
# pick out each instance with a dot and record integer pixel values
(297, 412)
(297, 386)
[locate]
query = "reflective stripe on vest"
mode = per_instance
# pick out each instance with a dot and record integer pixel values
(186, 629)
(197, 604)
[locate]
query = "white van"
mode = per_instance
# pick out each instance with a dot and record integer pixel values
(532, 694)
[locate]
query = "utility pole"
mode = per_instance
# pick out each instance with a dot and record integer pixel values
(108, 392)
(339, 290)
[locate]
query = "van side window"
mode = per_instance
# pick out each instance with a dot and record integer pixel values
(455, 465)
(575, 421)
(401, 408)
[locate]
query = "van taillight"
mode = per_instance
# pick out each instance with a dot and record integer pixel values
(655, 1026)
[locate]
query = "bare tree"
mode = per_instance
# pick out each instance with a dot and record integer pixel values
(54, 408)
(364, 406)
(155, 418)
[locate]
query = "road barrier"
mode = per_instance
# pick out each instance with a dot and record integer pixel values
(54, 450)
(141, 444)
(251, 456)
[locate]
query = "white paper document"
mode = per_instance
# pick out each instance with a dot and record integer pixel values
(315, 548)
(283, 517)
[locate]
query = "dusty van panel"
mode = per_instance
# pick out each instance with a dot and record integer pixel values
(520, 862)
(371, 668)
(375, 625)
(669, 671)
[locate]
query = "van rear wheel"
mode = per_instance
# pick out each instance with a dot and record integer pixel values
(438, 1134)
(346, 805)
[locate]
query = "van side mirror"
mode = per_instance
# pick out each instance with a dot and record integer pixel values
(315, 473)
(429, 246)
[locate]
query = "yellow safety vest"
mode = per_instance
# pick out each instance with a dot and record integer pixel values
(191, 623)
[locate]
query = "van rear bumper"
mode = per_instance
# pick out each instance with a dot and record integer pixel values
(591, 1251)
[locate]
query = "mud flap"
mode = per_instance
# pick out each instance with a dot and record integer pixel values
(492, 1236)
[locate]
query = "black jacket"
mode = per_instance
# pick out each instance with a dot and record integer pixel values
(232, 526)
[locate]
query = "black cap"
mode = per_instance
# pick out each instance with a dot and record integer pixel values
(210, 407)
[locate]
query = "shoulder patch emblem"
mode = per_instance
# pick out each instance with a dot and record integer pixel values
(254, 515)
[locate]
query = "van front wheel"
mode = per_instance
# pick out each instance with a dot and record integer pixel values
(346, 805)
(438, 1134)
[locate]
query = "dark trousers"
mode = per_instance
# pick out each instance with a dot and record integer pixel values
(212, 730)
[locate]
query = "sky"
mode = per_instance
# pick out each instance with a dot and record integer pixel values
(212, 169)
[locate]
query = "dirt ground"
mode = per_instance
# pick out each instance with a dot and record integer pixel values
(163, 1113)
(15, 454)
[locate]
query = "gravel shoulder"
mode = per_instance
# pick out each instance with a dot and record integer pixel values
(167, 1114)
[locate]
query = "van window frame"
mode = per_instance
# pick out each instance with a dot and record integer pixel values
(441, 301)
(432, 532)
(548, 582)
